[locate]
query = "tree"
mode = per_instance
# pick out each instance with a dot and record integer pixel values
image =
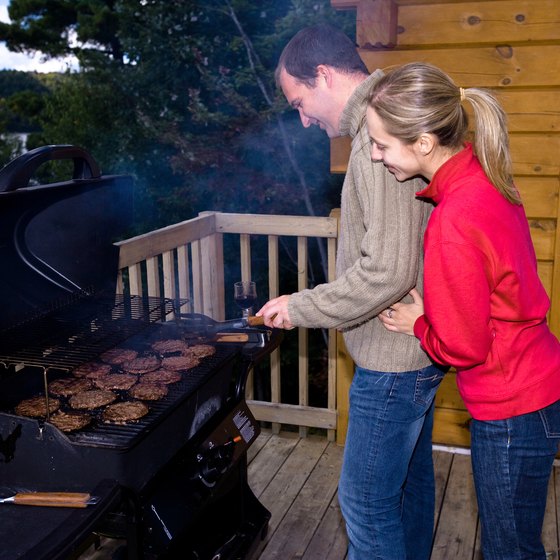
(181, 94)
(63, 27)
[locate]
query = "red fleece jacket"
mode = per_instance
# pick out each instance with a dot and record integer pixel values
(485, 306)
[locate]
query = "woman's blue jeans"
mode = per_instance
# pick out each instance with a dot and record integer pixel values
(386, 488)
(512, 461)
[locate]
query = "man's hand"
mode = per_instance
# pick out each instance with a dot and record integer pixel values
(275, 313)
(400, 317)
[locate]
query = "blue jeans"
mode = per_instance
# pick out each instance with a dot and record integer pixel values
(512, 461)
(386, 489)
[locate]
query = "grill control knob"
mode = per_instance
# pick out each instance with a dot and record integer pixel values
(215, 462)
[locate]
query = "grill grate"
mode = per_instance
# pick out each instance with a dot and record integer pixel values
(77, 330)
(125, 436)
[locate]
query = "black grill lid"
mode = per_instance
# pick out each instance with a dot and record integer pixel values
(57, 239)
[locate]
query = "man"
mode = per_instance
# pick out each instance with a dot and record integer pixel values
(386, 488)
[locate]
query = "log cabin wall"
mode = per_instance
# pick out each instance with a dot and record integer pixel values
(512, 47)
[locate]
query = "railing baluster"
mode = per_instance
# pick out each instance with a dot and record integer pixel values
(183, 275)
(274, 291)
(303, 358)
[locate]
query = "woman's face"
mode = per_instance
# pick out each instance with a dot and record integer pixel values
(399, 158)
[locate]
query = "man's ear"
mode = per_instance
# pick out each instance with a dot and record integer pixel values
(325, 73)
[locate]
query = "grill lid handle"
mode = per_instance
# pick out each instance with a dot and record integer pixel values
(17, 173)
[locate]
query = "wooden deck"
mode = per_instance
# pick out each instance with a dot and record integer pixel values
(296, 479)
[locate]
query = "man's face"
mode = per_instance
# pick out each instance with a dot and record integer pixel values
(314, 104)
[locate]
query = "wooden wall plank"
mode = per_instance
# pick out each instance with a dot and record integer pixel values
(448, 394)
(540, 196)
(451, 427)
(535, 154)
(543, 234)
(518, 66)
(531, 110)
(532, 154)
(478, 22)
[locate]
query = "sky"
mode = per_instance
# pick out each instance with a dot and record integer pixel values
(26, 63)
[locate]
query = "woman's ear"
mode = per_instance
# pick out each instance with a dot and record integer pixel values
(425, 144)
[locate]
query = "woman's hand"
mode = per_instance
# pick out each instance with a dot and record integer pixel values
(400, 317)
(275, 313)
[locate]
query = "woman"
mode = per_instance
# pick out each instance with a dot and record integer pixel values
(484, 308)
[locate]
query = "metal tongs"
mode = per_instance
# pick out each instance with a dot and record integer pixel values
(51, 499)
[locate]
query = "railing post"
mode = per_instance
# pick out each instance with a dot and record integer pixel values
(212, 265)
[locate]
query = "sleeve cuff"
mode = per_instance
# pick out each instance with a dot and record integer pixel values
(420, 326)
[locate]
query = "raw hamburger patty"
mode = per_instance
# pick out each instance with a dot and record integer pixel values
(88, 400)
(141, 365)
(202, 350)
(162, 375)
(170, 346)
(178, 363)
(69, 386)
(70, 421)
(35, 407)
(91, 370)
(119, 381)
(123, 412)
(148, 391)
(117, 356)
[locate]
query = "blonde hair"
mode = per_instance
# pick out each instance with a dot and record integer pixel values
(418, 98)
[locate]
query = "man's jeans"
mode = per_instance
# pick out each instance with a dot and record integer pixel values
(386, 488)
(512, 461)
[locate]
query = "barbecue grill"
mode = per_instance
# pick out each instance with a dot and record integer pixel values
(173, 483)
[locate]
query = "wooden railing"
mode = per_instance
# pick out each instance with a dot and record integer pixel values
(185, 262)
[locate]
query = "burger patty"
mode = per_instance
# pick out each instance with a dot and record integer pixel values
(142, 365)
(202, 350)
(70, 421)
(91, 370)
(36, 407)
(178, 363)
(148, 391)
(123, 412)
(161, 375)
(117, 356)
(69, 386)
(119, 381)
(170, 346)
(88, 400)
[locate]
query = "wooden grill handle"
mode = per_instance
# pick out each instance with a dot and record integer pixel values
(53, 499)
(254, 321)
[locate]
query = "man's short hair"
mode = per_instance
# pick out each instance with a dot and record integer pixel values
(315, 45)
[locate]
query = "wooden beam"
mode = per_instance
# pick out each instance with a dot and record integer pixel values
(292, 414)
(376, 24)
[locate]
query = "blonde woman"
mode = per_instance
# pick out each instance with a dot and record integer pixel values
(484, 307)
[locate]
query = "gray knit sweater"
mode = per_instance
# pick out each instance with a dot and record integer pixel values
(379, 257)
